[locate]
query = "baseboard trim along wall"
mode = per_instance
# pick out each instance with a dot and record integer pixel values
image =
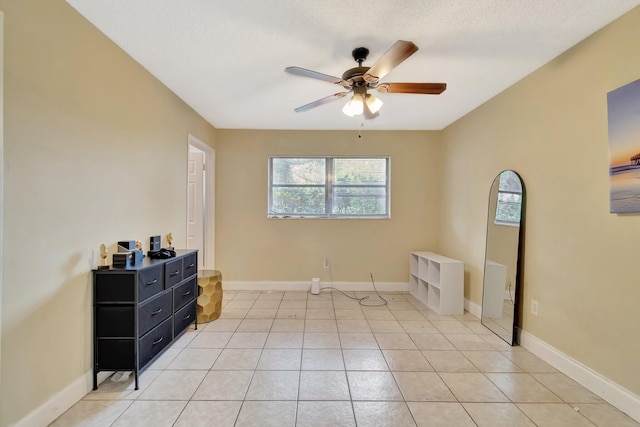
(60, 402)
(306, 285)
(473, 308)
(616, 395)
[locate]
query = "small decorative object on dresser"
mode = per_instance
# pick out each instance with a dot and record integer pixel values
(104, 252)
(154, 243)
(126, 245)
(139, 310)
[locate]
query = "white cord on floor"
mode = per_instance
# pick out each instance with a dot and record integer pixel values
(360, 300)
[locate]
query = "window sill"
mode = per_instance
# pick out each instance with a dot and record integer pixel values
(507, 224)
(327, 217)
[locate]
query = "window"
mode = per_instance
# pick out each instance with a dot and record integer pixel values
(329, 187)
(509, 199)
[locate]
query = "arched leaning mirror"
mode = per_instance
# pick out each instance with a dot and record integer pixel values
(503, 255)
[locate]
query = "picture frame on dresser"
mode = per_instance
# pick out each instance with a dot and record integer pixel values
(139, 310)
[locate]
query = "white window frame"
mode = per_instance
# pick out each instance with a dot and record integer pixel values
(329, 186)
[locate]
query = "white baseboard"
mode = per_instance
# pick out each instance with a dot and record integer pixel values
(615, 394)
(60, 402)
(473, 308)
(306, 285)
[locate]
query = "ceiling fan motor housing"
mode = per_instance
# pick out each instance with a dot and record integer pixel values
(360, 54)
(354, 75)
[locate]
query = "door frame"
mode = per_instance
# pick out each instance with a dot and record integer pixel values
(209, 217)
(1, 167)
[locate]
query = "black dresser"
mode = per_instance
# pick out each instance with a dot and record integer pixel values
(139, 310)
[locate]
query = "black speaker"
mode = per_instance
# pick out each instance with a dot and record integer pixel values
(154, 243)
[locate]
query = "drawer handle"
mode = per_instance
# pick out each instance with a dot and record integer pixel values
(175, 273)
(158, 341)
(186, 293)
(191, 265)
(187, 317)
(158, 311)
(152, 282)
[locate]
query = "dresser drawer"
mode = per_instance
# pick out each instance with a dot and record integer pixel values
(172, 273)
(154, 311)
(114, 286)
(149, 282)
(184, 317)
(155, 341)
(116, 354)
(190, 265)
(184, 293)
(115, 321)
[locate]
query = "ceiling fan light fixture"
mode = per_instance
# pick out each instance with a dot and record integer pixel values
(355, 106)
(374, 103)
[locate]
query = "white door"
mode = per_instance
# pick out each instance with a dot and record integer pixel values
(1, 161)
(195, 204)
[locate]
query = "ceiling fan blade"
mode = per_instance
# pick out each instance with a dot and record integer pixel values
(397, 53)
(321, 101)
(315, 75)
(421, 88)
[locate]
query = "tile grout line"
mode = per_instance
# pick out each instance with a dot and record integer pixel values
(493, 362)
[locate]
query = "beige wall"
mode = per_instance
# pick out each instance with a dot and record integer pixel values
(580, 260)
(95, 151)
(250, 247)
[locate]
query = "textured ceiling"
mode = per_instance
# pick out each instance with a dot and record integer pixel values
(226, 58)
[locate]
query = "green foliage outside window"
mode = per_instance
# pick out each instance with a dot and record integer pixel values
(329, 187)
(509, 204)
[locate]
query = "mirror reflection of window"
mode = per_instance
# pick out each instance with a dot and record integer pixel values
(509, 203)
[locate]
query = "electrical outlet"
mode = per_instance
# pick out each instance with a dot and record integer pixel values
(326, 262)
(534, 307)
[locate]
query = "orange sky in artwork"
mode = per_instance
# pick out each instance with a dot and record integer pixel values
(623, 151)
(624, 158)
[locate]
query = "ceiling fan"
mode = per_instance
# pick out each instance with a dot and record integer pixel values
(359, 79)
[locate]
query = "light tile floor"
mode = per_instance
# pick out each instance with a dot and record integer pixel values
(296, 359)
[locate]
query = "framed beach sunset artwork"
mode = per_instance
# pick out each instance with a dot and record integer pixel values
(623, 106)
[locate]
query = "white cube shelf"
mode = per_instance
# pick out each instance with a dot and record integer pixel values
(495, 278)
(438, 282)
